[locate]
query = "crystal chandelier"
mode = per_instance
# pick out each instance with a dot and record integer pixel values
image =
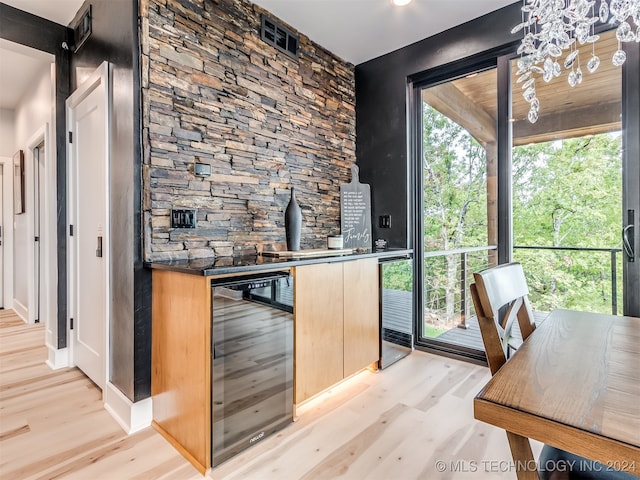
(554, 28)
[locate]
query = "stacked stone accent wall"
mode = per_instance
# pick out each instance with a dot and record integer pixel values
(215, 93)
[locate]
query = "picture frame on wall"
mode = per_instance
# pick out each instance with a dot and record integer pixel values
(18, 182)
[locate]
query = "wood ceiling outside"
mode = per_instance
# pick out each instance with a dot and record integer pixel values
(591, 107)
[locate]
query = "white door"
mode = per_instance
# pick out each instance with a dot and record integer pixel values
(87, 117)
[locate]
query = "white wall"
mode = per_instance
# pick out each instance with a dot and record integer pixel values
(33, 111)
(6, 163)
(7, 133)
(7, 149)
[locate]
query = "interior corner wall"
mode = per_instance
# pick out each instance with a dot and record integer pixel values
(382, 111)
(114, 38)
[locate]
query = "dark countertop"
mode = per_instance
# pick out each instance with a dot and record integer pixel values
(255, 263)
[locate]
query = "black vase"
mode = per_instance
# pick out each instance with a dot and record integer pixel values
(293, 223)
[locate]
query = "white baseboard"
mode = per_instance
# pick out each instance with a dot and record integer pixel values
(58, 358)
(132, 417)
(21, 310)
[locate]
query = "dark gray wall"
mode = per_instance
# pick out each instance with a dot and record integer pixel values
(114, 38)
(382, 106)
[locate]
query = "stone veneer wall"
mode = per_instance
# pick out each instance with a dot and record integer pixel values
(214, 92)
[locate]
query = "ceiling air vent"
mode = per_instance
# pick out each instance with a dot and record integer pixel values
(280, 37)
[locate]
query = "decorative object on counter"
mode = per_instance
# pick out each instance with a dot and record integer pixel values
(335, 242)
(293, 223)
(381, 244)
(355, 212)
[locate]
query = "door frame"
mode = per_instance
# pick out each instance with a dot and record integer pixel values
(48, 260)
(489, 60)
(99, 77)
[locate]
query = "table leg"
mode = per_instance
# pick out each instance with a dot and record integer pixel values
(524, 463)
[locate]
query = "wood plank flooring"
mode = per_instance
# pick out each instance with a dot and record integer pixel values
(394, 424)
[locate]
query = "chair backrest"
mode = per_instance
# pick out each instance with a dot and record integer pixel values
(494, 288)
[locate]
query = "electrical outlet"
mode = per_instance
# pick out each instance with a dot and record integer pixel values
(384, 221)
(185, 218)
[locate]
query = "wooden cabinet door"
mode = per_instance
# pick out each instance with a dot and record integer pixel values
(361, 315)
(318, 310)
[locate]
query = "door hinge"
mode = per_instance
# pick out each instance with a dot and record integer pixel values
(71, 324)
(70, 137)
(71, 230)
(36, 239)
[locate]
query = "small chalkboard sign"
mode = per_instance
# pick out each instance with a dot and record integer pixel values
(355, 212)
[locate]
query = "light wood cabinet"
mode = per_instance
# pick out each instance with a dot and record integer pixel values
(361, 315)
(318, 303)
(336, 323)
(181, 363)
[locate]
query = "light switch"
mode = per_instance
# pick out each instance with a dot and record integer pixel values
(202, 169)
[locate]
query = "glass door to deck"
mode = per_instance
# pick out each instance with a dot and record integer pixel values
(554, 195)
(458, 212)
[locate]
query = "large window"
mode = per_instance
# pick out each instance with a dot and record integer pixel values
(555, 205)
(458, 155)
(567, 187)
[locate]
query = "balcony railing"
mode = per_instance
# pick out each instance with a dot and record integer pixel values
(573, 265)
(447, 276)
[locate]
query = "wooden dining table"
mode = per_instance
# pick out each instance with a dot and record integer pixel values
(573, 384)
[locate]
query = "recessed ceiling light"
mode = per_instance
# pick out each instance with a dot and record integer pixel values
(401, 3)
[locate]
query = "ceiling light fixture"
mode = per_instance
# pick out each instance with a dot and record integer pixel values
(401, 3)
(552, 27)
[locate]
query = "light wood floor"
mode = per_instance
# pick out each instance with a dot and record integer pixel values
(395, 424)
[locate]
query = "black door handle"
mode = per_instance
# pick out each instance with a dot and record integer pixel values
(99, 249)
